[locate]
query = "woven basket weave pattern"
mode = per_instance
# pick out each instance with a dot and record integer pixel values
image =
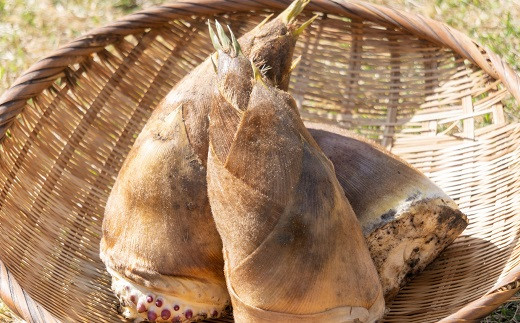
(403, 83)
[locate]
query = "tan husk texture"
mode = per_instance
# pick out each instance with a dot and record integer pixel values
(158, 233)
(293, 247)
(407, 219)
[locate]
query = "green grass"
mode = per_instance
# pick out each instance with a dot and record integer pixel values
(509, 312)
(493, 23)
(31, 28)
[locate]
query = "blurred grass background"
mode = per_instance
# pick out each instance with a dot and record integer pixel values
(29, 29)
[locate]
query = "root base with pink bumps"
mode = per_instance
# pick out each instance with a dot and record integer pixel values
(139, 303)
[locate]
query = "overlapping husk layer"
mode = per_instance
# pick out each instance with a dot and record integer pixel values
(158, 231)
(280, 209)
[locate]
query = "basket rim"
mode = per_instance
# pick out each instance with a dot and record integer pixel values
(51, 67)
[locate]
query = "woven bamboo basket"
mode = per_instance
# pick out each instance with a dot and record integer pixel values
(420, 88)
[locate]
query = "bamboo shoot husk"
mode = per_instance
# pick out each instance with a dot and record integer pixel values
(407, 220)
(293, 248)
(159, 241)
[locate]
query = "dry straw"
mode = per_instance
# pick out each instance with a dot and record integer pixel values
(419, 87)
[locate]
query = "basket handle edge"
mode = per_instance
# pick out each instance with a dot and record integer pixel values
(496, 296)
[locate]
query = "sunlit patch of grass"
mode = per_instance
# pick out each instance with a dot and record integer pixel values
(30, 29)
(493, 23)
(509, 312)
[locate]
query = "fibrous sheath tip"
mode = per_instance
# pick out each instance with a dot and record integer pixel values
(213, 37)
(234, 42)
(295, 63)
(224, 39)
(289, 14)
(298, 31)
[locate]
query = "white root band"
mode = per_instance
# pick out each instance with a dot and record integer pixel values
(141, 304)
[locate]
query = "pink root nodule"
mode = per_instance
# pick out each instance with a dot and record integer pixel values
(152, 316)
(165, 314)
(141, 308)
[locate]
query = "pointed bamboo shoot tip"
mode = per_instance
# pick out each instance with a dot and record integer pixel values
(298, 31)
(224, 39)
(295, 63)
(214, 38)
(263, 22)
(294, 9)
(234, 42)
